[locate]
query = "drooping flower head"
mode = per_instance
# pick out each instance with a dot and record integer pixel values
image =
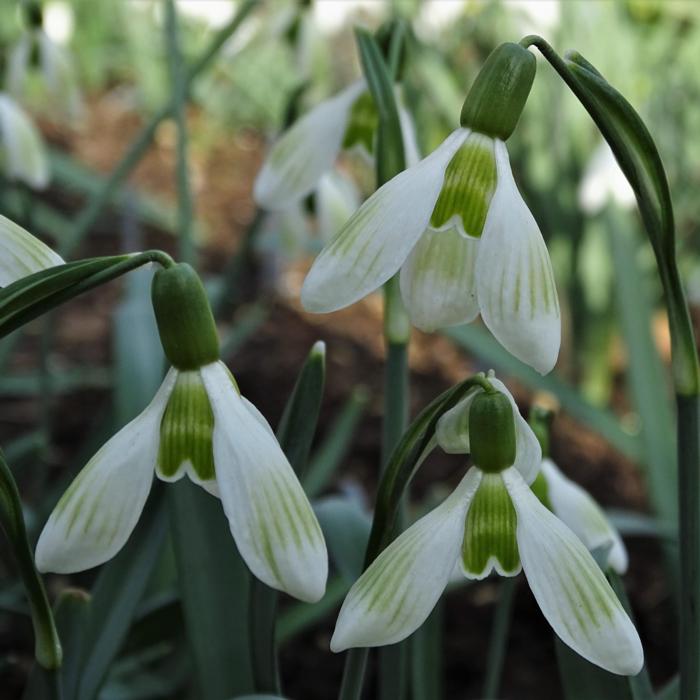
(492, 521)
(457, 228)
(197, 424)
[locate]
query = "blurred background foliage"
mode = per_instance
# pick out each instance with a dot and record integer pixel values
(285, 58)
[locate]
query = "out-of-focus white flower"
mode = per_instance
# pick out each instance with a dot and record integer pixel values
(337, 199)
(22, 254)
(604, 182)
(22, 154)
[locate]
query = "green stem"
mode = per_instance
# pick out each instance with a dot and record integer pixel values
(262, 619)
(91, 211)
(353, 674)
(499, 638)
(179, 102)
(47, 644)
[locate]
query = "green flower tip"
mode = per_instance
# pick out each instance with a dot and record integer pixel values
(492, 431)
(185, 321)
(499, 93)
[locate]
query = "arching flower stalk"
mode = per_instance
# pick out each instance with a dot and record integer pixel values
(457, 228)
(492, 521)
(197, 424)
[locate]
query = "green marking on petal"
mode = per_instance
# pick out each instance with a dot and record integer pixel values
(541, 490)
(186, 430)
(489, 535)
(470, 181)
(362, 124)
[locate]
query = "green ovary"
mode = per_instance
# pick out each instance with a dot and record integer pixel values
(489, 531)
(362, 124)
(469, 184)
(186, 430)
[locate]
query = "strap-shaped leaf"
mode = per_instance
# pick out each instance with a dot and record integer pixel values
(389, 154)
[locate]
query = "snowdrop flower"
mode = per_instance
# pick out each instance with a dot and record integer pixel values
(604, 182)
(311, 146)
(457, 228)
(575, 507)
(197, 424)
(22, 155)
(22, 254)
(491, 521)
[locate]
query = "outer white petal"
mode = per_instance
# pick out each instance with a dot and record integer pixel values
(452, 429)
(22, 149)
(337, 199)
(400, 588)
(570, 588)
(376, 241)
(438, 281)
(304, 152)
(22, 254)
(515, 282)
(98, 512)
(275, 529)
(576, 508)
(528, 453)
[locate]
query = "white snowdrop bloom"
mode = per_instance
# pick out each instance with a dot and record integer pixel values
(310, 147)
(604, 182)
(22, 254)
(337, 199)
(22, 154)
(458, 230)
(575, 507)
(492, 521)
(197, 424)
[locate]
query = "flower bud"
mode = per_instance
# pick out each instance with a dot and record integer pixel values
(499, 93)
(185, 321)
(492, 432)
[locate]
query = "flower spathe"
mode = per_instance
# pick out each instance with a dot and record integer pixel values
(197, 424)
(492, 520)
(22, 254)
(575, 507)
(465, 242)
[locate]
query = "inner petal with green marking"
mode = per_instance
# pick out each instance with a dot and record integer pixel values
(186, 431)
(362, 124)
(470, 181)
(489, 532)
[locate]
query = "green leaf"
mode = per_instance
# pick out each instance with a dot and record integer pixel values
(117, 593)
(72, 612)
(346, 527)
(389, 152)
(480, 342)
(331, 452)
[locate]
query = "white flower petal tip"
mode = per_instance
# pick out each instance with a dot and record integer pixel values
(515, 282)
(271, 519)
(438, 280)
(22, 254)
(576, 508)
(571, 590)
(400, 588)
(98, 512)
(378, 238)
(304, 152)
(21, 148)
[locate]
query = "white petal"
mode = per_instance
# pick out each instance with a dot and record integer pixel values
(337, 199)
(22, 254)
(22, 150)
(576, 508)
(376, 241)
(438, 281)
(304, 152)
(275, 529)
(515, 282)
(528, 452)
(397, 592)
(453, 427)
(570, 588)
(98, 512)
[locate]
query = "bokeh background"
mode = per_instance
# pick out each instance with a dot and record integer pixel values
(68, 381)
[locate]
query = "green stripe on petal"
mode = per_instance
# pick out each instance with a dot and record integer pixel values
(186, 431)
(489, 532)
(362, 125)
(470, 181)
